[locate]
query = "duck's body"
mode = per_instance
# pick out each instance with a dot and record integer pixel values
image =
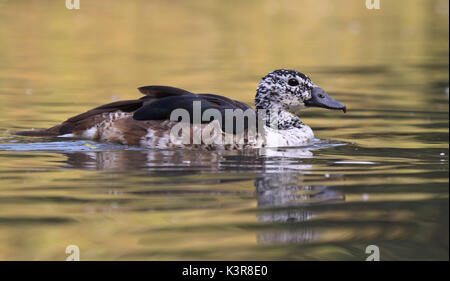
(119, 127)
(148, 122)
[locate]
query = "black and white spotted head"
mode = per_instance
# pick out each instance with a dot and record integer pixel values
(291, 91)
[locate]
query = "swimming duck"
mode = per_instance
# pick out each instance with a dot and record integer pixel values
(148, 121)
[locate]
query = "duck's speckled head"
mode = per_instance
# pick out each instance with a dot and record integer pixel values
(291, 91)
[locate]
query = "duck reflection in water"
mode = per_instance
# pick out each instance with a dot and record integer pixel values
(282, 196)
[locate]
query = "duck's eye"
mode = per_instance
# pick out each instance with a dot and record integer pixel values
(293, 82)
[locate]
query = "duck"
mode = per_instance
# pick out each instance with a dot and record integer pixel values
(150, 122)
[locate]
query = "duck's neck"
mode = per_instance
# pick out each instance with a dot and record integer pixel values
(281, 119)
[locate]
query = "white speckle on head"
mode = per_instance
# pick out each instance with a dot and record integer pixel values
(276, 92)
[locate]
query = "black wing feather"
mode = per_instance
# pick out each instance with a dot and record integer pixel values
(226, 101)
(161, 109)
(163, 91)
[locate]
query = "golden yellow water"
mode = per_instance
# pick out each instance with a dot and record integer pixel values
(377, 175)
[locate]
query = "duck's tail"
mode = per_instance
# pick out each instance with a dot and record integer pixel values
(50, 132)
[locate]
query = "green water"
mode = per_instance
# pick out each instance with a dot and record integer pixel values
(377, 175)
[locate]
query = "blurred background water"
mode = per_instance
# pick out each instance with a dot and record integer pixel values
(377, 175)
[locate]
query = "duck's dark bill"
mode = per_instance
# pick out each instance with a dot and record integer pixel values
(320, 98)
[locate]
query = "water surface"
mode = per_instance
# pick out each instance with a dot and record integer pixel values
(377, 175)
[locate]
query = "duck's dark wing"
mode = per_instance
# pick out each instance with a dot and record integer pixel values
(166, 99)
(161, 109)
(152, 93)
(158, 92)
(226, 101)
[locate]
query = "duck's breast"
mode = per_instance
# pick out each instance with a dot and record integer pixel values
(291, 137)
